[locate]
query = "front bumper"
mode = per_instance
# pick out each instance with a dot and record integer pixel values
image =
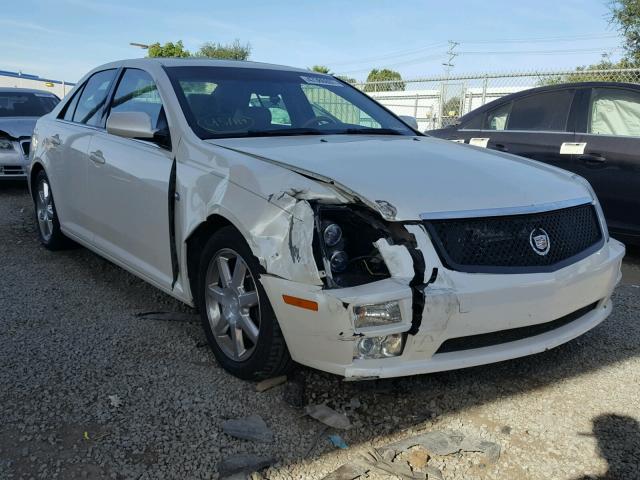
(457, 305)
(13, 163)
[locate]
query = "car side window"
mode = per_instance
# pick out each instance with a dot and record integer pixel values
(498, 118)
(546, 111)
(137, 92)
(70, 108)
(276, 106)
(614, 112)
(474, 123)
(93, 98)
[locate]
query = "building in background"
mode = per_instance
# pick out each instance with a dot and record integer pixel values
(24, 80)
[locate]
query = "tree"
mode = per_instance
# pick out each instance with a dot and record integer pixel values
(350, 80)
(321, 69)
(384, 75)
(598, 72)
(168, 50)
(625, 15)
(231, 51)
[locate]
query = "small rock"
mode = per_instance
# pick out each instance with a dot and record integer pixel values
(328, 416)
(269, 383)
(243, 463)
(252, 427)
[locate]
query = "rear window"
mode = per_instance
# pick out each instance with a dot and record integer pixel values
(26, 104)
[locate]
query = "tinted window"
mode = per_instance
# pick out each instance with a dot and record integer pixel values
(93, 98)
(615, 112)
(26, 104)
(544, 111)
(474, 123)
(70, 108)
(498, 117)
(137, 92)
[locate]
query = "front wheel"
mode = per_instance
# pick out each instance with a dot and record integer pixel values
(236, 314)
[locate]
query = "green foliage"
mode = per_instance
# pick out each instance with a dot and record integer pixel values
(384, 75)
(350, 80)
(321, 69)
(451, 107)
(597, 73)
(625, 15)
(232, 51)
(168, 50)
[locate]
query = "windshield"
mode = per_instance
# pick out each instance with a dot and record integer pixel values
(222, 102)
(26, 104)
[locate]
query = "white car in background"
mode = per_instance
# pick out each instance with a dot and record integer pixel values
(20, 108)
(308, 223)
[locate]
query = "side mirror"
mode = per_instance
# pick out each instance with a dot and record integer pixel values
(409, 120)
(130, 125)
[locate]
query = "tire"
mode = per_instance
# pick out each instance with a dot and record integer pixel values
(229, 309)
(46, 215)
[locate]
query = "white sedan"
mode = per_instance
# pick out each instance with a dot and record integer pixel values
(308, 223)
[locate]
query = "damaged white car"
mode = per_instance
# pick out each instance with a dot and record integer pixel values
(307, 223)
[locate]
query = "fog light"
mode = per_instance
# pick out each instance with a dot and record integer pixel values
(376, 314)
(379, 347)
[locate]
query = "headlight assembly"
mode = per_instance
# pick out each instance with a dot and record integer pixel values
(344, 245)
(6, 144)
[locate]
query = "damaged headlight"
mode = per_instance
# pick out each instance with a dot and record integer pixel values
(379, 347)
(344, 245)
(376, 315)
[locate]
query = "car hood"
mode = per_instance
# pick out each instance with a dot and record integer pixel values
(17, 127)
(416, 175)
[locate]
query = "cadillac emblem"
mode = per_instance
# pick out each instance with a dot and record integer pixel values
(539, 241)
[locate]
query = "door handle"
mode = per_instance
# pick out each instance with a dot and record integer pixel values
(502, 147)
(55, 140)
(594, 158)
(97, 157)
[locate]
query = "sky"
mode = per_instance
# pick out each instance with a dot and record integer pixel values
(64, 39)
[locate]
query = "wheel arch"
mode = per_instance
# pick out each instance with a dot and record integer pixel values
(36, 168)
(196, 241)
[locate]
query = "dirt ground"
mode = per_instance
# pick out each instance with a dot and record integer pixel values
(91, 390)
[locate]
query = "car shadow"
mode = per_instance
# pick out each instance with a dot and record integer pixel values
(618, 438)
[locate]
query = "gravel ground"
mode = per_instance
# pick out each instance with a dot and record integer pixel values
(89, 390)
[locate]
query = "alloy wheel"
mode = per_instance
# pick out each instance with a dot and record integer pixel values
(44, 209)
(232, 304)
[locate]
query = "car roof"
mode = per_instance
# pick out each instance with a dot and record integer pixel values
(546, 88)
(23, 90)
(199, 62)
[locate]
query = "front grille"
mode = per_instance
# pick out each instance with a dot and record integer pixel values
(506, 244)
(11, 170)
(26, 146)
(511, 335)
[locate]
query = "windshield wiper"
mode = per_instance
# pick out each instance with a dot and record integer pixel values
(283, 132)
(370, 131)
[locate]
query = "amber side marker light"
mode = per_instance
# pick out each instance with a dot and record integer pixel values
(300, 302)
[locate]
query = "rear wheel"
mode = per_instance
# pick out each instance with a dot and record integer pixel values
(240, 324)
(48, 225)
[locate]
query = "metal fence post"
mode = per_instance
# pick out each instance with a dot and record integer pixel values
(485, 83)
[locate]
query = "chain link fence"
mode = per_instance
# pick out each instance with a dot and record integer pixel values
(437, 102)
